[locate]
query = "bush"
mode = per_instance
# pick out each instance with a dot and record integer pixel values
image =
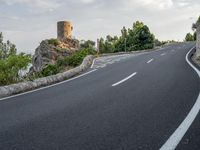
(54, 42)
(87, 44)
(10, 67)
(62, 62)
(78, 57)
(75, 59)
(189, 37)
(50, 70)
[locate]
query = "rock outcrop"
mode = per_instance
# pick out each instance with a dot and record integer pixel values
(48, 53)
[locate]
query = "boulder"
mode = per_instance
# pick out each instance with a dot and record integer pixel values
(47, 53)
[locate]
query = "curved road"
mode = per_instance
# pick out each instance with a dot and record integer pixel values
(132, 104)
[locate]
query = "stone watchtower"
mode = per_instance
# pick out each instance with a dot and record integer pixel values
(64, 30)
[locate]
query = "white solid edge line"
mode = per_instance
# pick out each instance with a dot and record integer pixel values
(150, 61)
(177, 136)
(125, 79)
(49, 85)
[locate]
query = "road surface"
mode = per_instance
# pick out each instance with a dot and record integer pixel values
(130, 102)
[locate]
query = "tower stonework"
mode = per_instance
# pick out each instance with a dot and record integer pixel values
(64, 30)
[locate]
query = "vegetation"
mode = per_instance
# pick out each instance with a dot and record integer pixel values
(6, 49)
(87, 44)
(11, 62)
(108, 45)
(70, 61)
(54, 42)
(161, 43)
(138, 37)
(190, 37)
(50, 70)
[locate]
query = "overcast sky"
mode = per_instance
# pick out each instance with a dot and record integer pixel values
(27, 22)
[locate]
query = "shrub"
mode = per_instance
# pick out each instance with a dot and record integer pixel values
(50, 70)
(189, 37)
(10, 67)
(87, 44)
(54, 42)
(78, 57)
(75, 59)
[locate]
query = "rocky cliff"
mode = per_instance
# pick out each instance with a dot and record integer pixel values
(49, 51)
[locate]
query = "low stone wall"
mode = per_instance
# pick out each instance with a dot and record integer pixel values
(131, 52)
(30, 85)
(198, 41)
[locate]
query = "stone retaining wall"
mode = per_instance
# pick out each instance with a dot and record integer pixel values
(198, 41)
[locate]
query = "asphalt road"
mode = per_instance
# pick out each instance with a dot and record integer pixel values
(132, 104)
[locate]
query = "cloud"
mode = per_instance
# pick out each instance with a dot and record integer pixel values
(27, 22)
(87, 1)
(35, 6)
(159, 4)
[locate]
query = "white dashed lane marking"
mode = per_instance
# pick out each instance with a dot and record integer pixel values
(150, 61)
(163, 54)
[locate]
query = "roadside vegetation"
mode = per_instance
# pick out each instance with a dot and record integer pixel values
(190, 37)
(138, 37)
(11, 62)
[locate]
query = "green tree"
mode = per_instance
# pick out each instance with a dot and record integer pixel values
(11, 63)
(158, 43)
(87, 44)
(137, 25)
(108, 45)
(101, 44)
(189, 37)
(6, 49)
(142, 38)
(138, 37)
(10, 67)
(120, 45)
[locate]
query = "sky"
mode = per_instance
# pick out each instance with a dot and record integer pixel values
(27, 22)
